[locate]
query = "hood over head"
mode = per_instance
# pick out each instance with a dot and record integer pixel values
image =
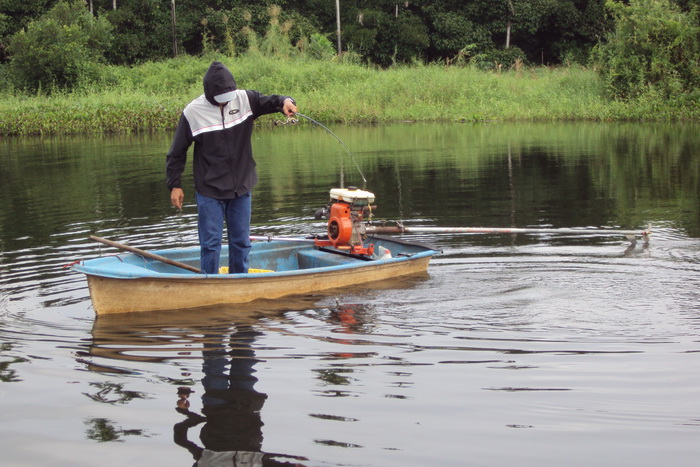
(219, 84)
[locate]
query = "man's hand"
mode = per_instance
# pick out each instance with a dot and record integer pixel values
(289, 108)
(177, 197)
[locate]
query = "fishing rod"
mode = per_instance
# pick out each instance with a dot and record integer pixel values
(352, 158)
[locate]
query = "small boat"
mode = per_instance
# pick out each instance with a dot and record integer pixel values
(130, 282)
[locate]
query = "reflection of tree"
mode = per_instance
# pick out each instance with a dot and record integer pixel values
(6, 374)
(117, 391)
(103, 430)
(333, 376)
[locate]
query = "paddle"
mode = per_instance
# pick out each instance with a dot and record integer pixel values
(145, 254)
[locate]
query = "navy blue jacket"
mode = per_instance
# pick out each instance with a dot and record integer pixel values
(223, 155)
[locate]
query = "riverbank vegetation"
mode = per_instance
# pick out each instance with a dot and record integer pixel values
(150, 97)
(58, 80)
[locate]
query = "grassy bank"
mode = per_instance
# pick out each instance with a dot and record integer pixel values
(150, 97)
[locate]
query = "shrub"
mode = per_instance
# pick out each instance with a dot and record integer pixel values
(60, 49)
(276, 42)
(320, 47)
(500, 59)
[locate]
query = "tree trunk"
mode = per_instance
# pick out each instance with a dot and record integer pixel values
(508, 35)
(174, 25)
(337, 18)
(512, 14)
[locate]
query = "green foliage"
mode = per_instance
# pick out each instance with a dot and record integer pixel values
(150, 97)
(542, 30)
(276, 40)
(654, 53)
(141, 30)
(252, 29)
(655, 48)
(172, 79)
(499, 59)
(387, 39)
(224, 31)
(16, 15)
(575, 28)
(452, 32)
(320, 47)
(365, 36)
(60, 49)
(236, 26)
(382, 32)
(412, 39)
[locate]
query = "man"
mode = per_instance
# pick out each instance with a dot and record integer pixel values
(220, 123)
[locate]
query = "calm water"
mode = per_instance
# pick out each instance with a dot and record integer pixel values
(529, 350)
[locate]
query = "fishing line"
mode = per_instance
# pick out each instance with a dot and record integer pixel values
(398, 186)
(352, 158)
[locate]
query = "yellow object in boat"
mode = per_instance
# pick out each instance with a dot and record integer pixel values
(224, 270)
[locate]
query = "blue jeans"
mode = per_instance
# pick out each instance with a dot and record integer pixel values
(211, 216)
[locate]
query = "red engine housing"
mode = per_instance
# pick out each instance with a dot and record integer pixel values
(346, 230)
(340, 224)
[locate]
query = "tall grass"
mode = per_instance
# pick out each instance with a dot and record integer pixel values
(151, 97)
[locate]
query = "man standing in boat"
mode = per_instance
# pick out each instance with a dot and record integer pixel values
(220, 123)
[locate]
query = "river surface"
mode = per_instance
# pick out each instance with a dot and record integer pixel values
(544, 350)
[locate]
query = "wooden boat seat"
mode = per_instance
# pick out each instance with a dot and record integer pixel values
(318, 259)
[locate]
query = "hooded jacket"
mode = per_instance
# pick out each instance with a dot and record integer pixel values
(223, 162)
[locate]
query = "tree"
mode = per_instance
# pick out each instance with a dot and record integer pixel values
(655, 47)
(569, 31)
(141, 31)
(16, 15)
(547, 31)
(381, 31)
(60, 48)
(385, 32)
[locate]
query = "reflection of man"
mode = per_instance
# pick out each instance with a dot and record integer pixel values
(232, 433)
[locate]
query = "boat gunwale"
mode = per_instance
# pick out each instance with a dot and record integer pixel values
(191, 276)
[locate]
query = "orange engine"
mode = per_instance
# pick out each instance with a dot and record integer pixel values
(346, 230)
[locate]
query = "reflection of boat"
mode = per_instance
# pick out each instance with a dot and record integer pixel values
(129, 282)
(162, 336)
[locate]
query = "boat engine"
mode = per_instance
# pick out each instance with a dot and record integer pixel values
(346, 213)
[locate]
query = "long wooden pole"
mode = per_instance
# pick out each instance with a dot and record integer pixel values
(145, 254)
(630, 234)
